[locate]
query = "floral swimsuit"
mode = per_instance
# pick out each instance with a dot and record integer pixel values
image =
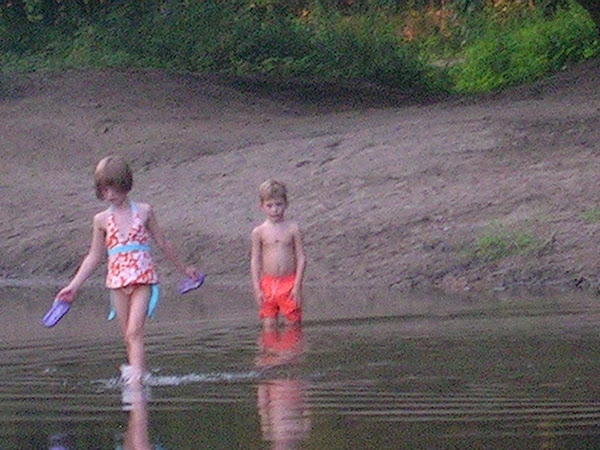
(129, 258)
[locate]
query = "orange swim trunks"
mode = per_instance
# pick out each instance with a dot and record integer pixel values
(277, 294)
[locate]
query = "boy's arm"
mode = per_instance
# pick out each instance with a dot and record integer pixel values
(256, 264)
(165, 245)
(90, 262)
(300, 264)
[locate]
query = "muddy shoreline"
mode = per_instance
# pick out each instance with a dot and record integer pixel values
(390, 196)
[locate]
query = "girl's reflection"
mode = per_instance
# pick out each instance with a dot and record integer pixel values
(135, 400)
(284, 415)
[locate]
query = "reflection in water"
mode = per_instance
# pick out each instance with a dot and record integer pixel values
(281, 401)
(60, 441)
(279, 346)
(135, 400)
(507, 374)
(548, 430)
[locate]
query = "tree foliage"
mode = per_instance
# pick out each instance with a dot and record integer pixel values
(593, 8)
(548, 6)
(17, 12)
(407, 44)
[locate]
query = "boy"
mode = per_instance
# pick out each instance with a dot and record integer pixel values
(277, 260)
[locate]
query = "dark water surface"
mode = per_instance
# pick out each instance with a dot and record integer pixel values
(366, 370)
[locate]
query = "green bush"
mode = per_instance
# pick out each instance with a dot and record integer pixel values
(186, 38)
(316, 39)
(502, 242)
(526, 51)
(260, 41)
(590, 215)
(571, 38)
(367, 48)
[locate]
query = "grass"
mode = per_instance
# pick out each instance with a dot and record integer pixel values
(590, 215)
(500, 242)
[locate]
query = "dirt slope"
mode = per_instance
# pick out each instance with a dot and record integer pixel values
(390, 191)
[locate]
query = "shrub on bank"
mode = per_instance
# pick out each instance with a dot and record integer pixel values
(526, 51)
(378, 42)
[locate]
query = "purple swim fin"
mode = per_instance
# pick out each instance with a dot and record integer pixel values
(56, 312)
(189, 284)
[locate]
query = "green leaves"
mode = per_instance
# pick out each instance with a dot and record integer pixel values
(415, 47)
(525, 51)
(502, 242)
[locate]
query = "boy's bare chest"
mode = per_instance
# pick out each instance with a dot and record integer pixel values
(277, 238)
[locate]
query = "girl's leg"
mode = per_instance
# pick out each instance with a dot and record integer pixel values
(120, 301)
(131, 308)
(134, 336)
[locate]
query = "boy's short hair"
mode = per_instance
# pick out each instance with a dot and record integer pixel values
(272, 189)
(113, 171)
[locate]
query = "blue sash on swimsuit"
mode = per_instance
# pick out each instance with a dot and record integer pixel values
(152, 303)
(128, 248)
(155, 291)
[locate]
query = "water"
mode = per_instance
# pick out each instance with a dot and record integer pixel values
(367, 370)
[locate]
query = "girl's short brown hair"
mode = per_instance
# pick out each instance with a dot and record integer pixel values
(112, 171)
(272, 189)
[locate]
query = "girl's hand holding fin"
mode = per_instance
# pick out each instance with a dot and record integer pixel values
(56, 312)
(66, 295)
(192, 272)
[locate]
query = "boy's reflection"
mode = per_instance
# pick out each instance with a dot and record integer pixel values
(281, 401)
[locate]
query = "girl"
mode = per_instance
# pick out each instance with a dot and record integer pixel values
(125, 229)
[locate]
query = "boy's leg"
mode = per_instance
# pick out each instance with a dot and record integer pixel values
(289, 307)
(269, 323)
(294, 319)
(268, 310)
(131, 313)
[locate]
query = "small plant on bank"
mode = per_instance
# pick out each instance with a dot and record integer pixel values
(590, 215)
(500, 242)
